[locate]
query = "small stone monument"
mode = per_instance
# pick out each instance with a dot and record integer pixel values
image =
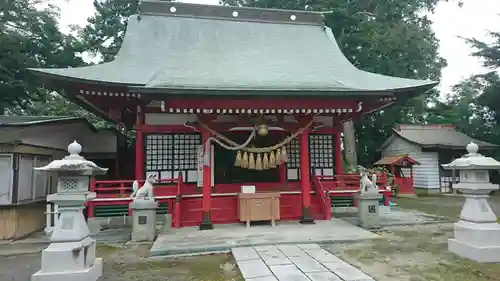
(71, 254)
(144, 208)
(368, 201)
(477, 233)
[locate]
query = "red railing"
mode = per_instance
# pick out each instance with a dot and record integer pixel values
(117, 192)
(324, 197)
(348, 184)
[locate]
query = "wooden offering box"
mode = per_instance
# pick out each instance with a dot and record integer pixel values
(262, 206)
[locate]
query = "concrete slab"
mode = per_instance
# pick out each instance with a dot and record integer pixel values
(350, 273)
(288, 273)
(190, 240)
(397, 216)
(292, 251)
(253, 269)
(323, 276)
(308, 264)
(308, 246)
(323, 256)
(244, 254)
(275, 259)
(267, 278)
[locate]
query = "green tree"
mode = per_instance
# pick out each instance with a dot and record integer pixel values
(489, 83)
(103, 36)
(29, 37)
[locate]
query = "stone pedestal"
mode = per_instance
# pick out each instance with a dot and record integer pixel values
(71, 254)
(73, 261)
(368, 210)
(143, 220)
(477, 234)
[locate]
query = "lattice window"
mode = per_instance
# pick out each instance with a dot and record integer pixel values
(321, 151)
(293, 151)
(167, 154)
(69, 184)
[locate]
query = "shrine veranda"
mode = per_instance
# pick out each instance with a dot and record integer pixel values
(187, 74)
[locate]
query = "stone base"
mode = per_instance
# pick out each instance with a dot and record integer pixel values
(90, 274)
(480, 254)
(476, 241)
(368, 210)
(143, 220)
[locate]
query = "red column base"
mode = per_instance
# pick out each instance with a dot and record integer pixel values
(206, 223)
(306, 217)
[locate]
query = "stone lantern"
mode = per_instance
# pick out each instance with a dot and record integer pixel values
(477, 233)
(71, 254)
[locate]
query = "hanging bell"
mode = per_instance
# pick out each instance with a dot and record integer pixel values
(258, 162)
(251, 162)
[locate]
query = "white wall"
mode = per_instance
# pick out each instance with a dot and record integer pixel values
(6, 178)
(426, 175)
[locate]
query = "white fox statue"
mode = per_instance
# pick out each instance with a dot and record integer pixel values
(146, 190)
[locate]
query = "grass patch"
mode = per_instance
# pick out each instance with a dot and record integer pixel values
(440, 206)
(217, 267)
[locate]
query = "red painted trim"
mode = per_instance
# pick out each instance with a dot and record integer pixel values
(175, 129)
(207, 174)
(139, 144)
(176, 220)
(305, 180)
(326, 131)
(291, 103)
(283, 172)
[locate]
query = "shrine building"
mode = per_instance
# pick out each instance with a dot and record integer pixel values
(222, 97)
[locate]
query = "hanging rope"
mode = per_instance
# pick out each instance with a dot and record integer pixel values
(243, 147)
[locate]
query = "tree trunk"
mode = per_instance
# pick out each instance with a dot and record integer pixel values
(351, 157)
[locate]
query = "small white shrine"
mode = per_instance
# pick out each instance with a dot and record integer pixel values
(71, 254)
(477, 233)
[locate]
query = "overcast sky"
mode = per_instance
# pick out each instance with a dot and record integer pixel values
(450, 23)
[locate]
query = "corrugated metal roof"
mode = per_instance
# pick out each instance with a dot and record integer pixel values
(208, 48)
(436, 136)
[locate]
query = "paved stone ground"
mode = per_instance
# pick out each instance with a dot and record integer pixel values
(301, 262)
(190, 240)
(397, 216)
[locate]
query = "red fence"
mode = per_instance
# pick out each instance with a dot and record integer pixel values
(170, 192)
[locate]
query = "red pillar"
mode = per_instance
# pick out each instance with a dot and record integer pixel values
(206, 222)
(283, 173)
(338, 154)
(305, 179)
(139, 145)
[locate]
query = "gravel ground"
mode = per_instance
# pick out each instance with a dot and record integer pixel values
(130, 264)
(414, 253)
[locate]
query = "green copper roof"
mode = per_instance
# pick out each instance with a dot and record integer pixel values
(180, 46)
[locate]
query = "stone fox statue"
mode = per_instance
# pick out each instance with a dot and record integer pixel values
(146, 190)
(366, 183)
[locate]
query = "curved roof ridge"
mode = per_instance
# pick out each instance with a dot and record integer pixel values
(176, 9)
